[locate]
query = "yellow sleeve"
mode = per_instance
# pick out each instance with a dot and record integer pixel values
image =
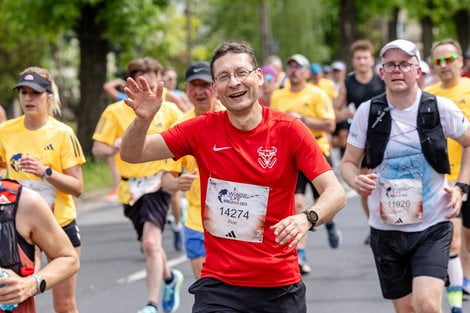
(324, 106)
(71, 151)
(107, 129)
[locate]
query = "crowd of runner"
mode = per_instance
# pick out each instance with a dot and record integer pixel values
(394, 129)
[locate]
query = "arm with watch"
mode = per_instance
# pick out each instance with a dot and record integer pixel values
(36, 223)
(332, 199)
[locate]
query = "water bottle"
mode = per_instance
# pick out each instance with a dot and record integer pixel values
(6, 307)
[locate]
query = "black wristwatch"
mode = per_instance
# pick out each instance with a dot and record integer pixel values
(312, 217)
(40, 284)
(465, 188)
(47, 173)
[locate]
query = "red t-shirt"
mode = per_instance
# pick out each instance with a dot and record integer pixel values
(269, 155)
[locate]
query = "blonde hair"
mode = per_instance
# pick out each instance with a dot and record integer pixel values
(53, 101)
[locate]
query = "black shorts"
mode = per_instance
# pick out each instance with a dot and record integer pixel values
(340, 126)
(302, 182)
(465, 213)
(151, 207)
(73, 232)
(401, 256)
(214, 296)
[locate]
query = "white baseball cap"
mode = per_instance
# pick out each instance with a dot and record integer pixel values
(404, 45)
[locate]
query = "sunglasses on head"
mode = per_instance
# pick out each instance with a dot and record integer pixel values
(447, 59)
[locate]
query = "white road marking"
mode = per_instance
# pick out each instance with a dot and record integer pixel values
(143, 273)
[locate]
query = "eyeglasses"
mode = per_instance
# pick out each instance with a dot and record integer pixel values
(447, 59)
(239, 75)
(404, 67)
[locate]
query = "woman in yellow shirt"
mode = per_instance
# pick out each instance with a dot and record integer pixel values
(45, 155)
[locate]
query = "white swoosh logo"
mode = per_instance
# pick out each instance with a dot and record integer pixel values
(197, 70)
(220, 148)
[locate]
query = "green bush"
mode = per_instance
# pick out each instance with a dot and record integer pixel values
(96, 175)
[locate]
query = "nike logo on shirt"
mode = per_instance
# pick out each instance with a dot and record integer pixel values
(220, 148)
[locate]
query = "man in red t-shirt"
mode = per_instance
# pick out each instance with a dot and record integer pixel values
(248, 159)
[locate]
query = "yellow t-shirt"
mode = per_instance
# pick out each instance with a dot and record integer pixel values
(309, 102)
(327, 86)
(114, 121)
(54, 144)
(460, 94)
(193, 195)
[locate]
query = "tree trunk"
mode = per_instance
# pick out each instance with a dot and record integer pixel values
(265, 30)
(426, 36)
(347, 22)
(92, 74)
(393, 24)
(462, 25)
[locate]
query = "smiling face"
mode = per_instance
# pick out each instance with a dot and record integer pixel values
(33, 103)
(237, 95)
(399, 81)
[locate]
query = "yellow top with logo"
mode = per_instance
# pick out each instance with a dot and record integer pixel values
(54, 145)
(311, 102)
(114, 121)
(328, 86)
(460, 94)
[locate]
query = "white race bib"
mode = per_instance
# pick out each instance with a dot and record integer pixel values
(144, 185)
(235, 211)
(45, 189)
(401, 201)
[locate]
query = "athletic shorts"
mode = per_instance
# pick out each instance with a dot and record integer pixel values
(73, 232)
(402, 256)
(194, 243)
(302, 182)
(151, 207)
(340, 126)
(465, 213)
(213, 296)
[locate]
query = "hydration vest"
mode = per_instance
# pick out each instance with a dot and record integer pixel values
(428, 124)
(10, 240)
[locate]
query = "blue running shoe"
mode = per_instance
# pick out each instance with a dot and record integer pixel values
(456, 310)
(171, 293)
(148, 309)
(334, 235)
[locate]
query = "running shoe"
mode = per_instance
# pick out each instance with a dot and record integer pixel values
(148, 309)
(334, 235)
(466, 286)
(112, 196)
(303, 264)
(171, 293)
(367, 240)
(456, 310)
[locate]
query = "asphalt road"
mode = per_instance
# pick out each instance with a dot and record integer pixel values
(111, 277)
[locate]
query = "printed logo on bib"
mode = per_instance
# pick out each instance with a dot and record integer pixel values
(401, 201)
(144, 185)
(235, 211)
(267, 157)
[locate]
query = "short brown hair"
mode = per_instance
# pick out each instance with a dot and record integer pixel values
(143, 65)
(361, 44)
(447, 42)
(233, 46)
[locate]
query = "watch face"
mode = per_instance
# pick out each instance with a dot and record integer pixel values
(48, 171)
(313, 217)
(42, 286)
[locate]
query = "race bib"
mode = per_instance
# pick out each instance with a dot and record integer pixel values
(144, 185)
(401, 201)
(45, 189)
(235, 211)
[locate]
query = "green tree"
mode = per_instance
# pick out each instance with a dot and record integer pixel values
(98, 25)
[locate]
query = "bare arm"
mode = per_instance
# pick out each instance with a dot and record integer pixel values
(111, 87)
(70, 181)
(101, 149)
(136, 146)
(464, 174)
(319, 124)
(350, 167)
(37, 225)
(332, 199)
(172, 183)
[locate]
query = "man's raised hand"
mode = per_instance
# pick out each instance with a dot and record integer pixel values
(142, 99)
